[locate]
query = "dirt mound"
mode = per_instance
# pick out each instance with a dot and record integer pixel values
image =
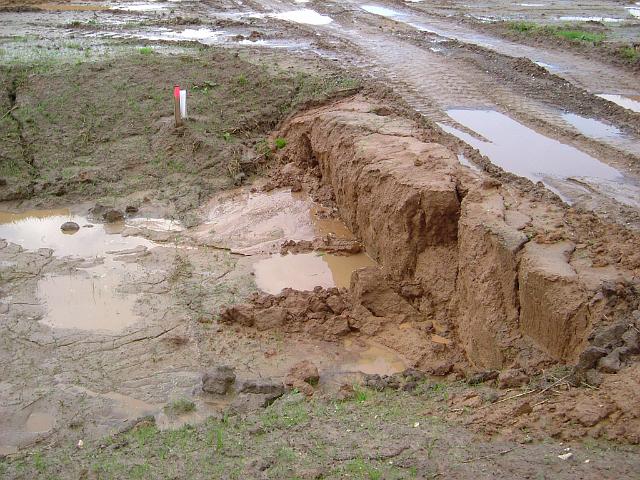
(477, 275)
(371, 308)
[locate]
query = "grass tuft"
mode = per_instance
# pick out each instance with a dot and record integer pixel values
(180, 407)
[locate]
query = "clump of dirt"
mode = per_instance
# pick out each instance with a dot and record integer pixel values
(371, 308)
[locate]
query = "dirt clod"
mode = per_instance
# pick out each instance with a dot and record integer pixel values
(512, 378)
(219, 380)
(304, 371)
(69, 227)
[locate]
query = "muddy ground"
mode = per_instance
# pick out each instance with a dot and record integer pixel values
(434, 204)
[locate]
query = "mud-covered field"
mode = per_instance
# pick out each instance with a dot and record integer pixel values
(391, 240)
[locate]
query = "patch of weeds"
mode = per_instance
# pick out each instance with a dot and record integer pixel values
(73, 46)
(289, 412)
(360, 394)
(241, 80)
(180, 407)
(523, 27)
(431, 443)
(580, 36)
(227, 137)
(280, 143)
(140, 471)
(145, 50)
(571, 34)
(361, 469)
(629, 53)
(218, 433)
(144, 434)
(175, 166)
(263, 149)
(39, 463)
(438, 390)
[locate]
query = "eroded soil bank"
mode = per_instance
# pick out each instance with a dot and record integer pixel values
(309, 279)
(474, 275)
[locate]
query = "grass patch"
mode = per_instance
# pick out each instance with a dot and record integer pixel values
(564, 32)
(580, 36)
(145, 50)
(280, 143)
(629, 54)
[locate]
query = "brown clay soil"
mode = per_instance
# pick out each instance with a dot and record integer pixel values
(324, 272)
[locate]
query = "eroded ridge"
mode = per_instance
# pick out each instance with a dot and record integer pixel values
(467, 264)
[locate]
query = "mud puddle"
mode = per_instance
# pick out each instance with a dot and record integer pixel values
(372, 358)
(501, 139)
(87, 298)
(630, 102)
(41, 229)
(591, 127)
(304, 16)
(258, 222)
(304, 271)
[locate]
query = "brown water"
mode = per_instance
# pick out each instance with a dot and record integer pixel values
(41, 229)
(88, 299)
(501, 139)
(307, 270)
(253, 223)
(39, 422)
(372, 358)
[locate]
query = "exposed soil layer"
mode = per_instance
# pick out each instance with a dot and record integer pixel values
(467, 265)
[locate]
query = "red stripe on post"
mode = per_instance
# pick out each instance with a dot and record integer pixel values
(176, 91)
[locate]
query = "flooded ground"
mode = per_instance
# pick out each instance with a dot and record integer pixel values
(108, 323)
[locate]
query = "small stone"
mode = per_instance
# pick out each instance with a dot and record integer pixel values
(512, 378)
(631, 340)
(441, 369)
(262, 386)
(219, 380)
(611, 363)
(590, 356)
(69, 227)
(80, 444)
(522, 409)
(482, 377)
(296, 186)
(112, 216)
(345, 392)
(593, 378)
(565, 456)
(610, 336)
(413, 375)
(304, 371)
(376, 382)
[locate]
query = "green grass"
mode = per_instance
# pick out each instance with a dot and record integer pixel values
(566, 32)
(280, 143)
(630, 54)
(145, 50)
(580, 36)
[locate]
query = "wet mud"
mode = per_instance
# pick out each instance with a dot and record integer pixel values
(468, 221)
